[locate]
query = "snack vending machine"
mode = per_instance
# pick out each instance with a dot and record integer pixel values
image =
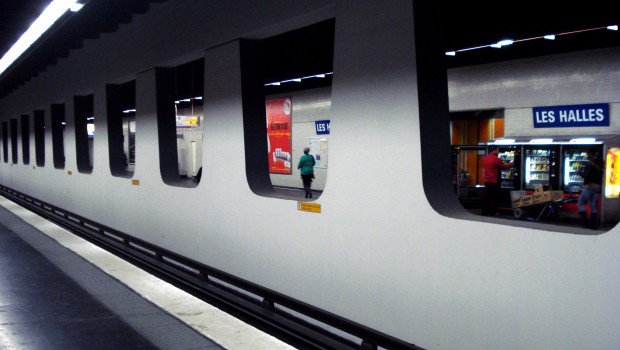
(541, 167)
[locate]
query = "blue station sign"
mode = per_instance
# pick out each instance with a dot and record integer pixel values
(571, 116)
(322, 127)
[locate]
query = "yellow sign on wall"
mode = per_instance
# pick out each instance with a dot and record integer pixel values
(612, 173)
(309, 207)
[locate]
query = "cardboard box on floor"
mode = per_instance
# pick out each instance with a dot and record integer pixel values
(541, 196)
(520, 199)
(516, 198)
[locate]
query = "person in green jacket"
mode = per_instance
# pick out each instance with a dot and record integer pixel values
(306, 167)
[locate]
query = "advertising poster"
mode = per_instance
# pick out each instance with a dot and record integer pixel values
(612, 173)
(279, 135)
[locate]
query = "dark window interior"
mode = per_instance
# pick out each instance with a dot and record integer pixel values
(25, 131)
(39, 136)
(58, 130)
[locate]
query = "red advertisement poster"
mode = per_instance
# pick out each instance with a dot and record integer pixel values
(279, 135)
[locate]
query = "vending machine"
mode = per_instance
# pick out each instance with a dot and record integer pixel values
(541, 166)
(510, 178)
(574, 160)
(556, 163)
(536, 162)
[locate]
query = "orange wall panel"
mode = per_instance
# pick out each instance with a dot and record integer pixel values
(472, 132)
(499, 128)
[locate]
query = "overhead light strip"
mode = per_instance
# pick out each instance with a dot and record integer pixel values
(50, 15)
(298, 80)
(507, 42)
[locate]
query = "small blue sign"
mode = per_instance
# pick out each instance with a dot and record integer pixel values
(571, 116)
(322, 127)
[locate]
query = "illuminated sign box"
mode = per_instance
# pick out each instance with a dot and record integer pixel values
(190, 121)
(571, 116)
(612, 173)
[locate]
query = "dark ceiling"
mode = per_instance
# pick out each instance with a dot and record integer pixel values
(15, 18)
(465, 23)
(69, 32)
(475, 23)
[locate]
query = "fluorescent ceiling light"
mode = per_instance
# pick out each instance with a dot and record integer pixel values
(75, 7)
(298, 80)
(188, 99)
(501, 43)
(505, 42)
(504, 141)
(50, 15)
(541, 141)
(583, 140)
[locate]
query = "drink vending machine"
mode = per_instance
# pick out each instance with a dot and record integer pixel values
(574, 160)
(509, 178)
(541, 166)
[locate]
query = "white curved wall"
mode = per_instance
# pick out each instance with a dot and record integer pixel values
(377, 253)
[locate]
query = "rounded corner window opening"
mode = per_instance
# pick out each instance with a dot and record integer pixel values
(531, 161)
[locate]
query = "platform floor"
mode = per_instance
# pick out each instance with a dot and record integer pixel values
(58, 291)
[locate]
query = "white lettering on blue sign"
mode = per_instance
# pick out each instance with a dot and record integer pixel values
(571, 116)
(322, 127)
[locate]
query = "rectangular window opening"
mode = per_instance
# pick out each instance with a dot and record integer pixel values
(5, 141)
(295, 96)
(14, 150)
(25, 135)
(84, 132)
(58, 131)
(121, 109)
(179, 123)
(39, 137)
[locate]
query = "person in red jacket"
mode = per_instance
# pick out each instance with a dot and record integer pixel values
(492, 165)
